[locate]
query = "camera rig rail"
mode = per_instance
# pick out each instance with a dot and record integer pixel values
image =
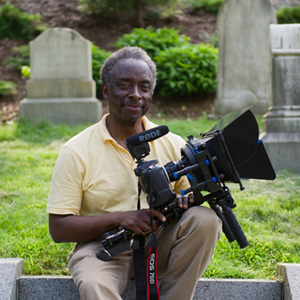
(224, 154)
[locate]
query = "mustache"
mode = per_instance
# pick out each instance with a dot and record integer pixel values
(133, 104)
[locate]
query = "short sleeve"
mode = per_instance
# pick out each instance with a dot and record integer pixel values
(65, 195)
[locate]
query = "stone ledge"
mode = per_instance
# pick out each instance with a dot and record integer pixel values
(10, 270)
(72, 111)
(63, 288)
(15, 286)
(290, 276)
(60, 88)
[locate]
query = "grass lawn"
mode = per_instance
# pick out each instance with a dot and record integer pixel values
(268, 211)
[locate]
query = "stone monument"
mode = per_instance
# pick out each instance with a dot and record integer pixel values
(61, 88)
(281, 124)
(244, 56)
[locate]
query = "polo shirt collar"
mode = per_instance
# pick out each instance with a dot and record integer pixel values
(105, 133)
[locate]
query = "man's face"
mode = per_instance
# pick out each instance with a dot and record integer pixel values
(130, 90)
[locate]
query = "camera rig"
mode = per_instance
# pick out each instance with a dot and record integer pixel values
(228, 152)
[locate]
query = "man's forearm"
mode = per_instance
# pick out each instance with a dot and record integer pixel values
(80, 229)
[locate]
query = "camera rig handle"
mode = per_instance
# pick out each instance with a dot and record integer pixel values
(230, 225)
(117, 242)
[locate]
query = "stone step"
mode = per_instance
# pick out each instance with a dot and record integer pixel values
(14, 285)
(63, 288)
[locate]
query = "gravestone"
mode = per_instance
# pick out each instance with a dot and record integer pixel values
(61, 88)
(244, 56)
(281, 124)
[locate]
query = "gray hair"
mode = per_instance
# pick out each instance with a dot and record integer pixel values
(126, 53)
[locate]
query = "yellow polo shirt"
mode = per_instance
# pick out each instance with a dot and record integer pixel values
(94, 175)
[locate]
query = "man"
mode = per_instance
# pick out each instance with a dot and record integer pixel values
(94, 189)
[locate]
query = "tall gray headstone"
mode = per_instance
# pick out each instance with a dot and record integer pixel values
(281, 124)
(244, 56)
(61, 88)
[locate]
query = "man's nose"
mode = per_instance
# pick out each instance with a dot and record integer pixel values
(135, 93)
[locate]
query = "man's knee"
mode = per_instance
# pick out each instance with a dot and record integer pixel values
(203, 219)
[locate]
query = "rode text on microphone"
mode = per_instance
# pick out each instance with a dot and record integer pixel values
(148, 135)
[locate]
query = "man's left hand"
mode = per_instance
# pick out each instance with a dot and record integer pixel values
(184, 201)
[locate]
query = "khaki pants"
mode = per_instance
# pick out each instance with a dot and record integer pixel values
(185, 249)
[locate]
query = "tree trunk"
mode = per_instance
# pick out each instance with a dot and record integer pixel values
(140, 13)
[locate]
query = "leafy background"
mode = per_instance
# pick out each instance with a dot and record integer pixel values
(197, 21)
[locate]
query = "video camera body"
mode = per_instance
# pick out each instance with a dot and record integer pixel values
(224, 152)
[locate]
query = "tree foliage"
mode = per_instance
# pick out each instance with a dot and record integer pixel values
(210, 6)
(288, 15)
(17, 25)
(7, 88)
(118, 8)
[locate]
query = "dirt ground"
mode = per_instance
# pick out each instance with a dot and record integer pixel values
(66, 13)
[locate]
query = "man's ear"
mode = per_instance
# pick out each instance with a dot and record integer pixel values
(104, 89)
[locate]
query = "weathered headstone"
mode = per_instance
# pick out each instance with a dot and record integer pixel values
(281, 125)
(244, 55)
(61, 88)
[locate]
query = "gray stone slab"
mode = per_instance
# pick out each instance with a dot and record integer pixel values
(57, 287)
(235, 289)
(60, 53)
(10, 270)
(47, 288)
(63, 288)
(244, 68)
(283, 149)
(71, 111)
(60, 88)
(290, 275)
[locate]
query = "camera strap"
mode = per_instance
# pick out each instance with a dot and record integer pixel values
(152, 284)
(153, 290)
(140, 270)
(146, 280)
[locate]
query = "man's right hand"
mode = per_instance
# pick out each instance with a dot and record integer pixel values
(139, 221)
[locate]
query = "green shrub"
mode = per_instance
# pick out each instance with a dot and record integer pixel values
(188, 70)
(211, 6)
(183, 68)
(18, 25)
(214, 40)
(7, 88)
(153, 40)
(26, 71)
(288, 15)
(98, 58)
(22, 57)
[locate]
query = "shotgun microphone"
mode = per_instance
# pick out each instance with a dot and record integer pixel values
(148, 135)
